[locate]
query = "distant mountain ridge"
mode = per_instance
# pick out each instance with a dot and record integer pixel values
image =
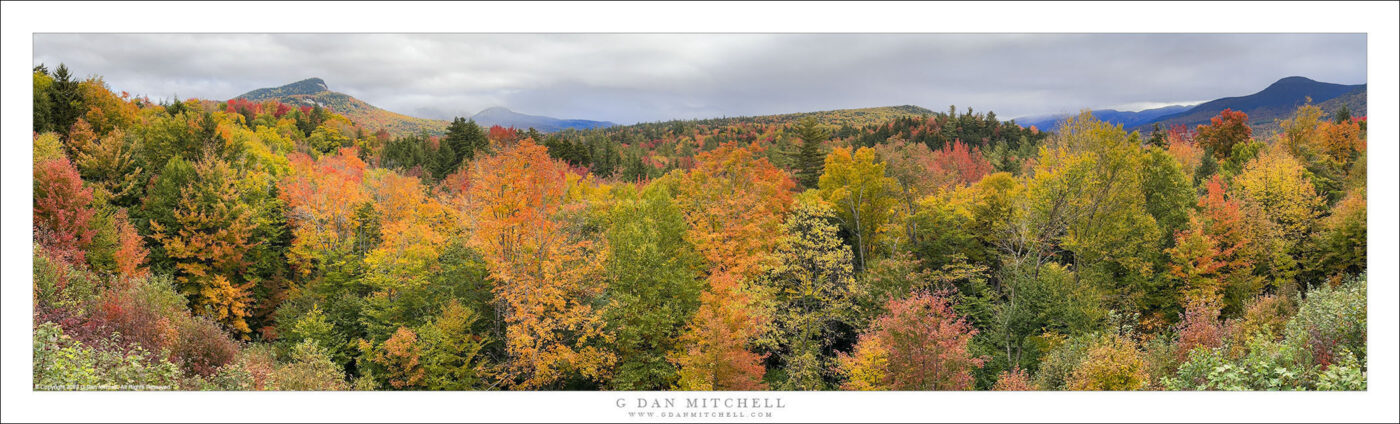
(1277, 101)
(315, 91)
(508, 118)
(1117, 117)
(855, 117)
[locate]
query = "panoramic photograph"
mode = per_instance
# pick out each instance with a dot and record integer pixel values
(699, 212)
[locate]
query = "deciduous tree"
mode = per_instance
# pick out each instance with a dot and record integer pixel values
(62, 209)
(546, 278)
(1227, 129)
(863, 196)
(812, 294)
(925, 344)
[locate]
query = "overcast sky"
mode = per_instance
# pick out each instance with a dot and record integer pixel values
(627, 78)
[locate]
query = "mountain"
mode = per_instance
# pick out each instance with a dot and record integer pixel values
(508, 118)
(1127, 119)
(1277, 101)
(838, 117)
(314, 91)
(847, 117)
(1354, 100)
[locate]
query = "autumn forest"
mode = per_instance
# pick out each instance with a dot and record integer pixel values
(257, 245)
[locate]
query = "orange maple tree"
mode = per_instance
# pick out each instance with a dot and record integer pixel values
(546, 277)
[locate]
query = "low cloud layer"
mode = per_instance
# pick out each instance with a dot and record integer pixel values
(628, 78)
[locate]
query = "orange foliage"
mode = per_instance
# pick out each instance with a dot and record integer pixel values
(321, 197)
(925, 344)
(209, 242)
(546, 278)
(400, 356)
(716, 355)
(1013, 380)
(130, 255)
(962, 164)
(734, 201)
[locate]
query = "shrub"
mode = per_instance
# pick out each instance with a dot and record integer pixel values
(1061, 360)
(143, 312)
(1264, 316)
(311, 369)
(1331, 320)
(1199, 327)
(925, 347)
(201, 347)
(1268, 365)
(61, 363)
(1113, 363)
(1346, 374)
(1013, 380)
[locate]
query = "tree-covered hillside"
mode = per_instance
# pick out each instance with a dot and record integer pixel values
(314, 92)
(261, 245)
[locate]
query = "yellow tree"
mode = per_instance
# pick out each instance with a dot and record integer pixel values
(209, 240)
(1086, 198)
(1282, 205)
(908, 164)
(1114, 363)
(864, 197)
(812, 296)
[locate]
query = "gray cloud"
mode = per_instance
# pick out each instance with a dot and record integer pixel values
(629, 78)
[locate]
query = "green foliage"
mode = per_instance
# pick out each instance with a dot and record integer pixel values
(1332, 322)
(1169, 193)
(466, 139)
(811, 288)
(654, 285)
(310, 368)
(1051, 301)
(1347, 375)
(65, 101)
(43, 101)
(452, 358)
(1267, 366)
(810, 156)
(60, 363)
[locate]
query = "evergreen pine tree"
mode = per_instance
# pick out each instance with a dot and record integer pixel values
(1158, 137)
(466, 139)
(1342, 115)
(810, 157)
(66, 101)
